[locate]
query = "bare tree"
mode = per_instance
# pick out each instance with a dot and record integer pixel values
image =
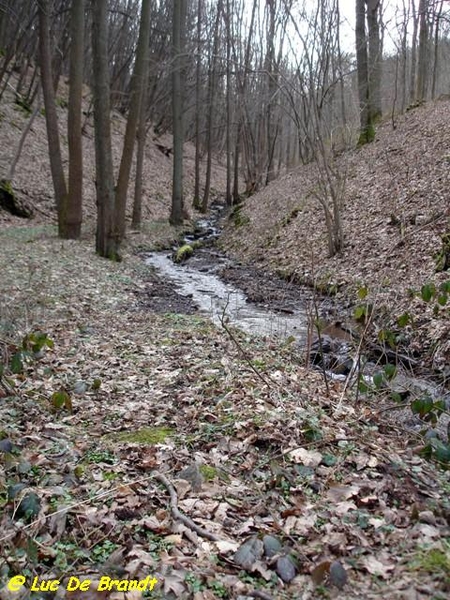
(375, 51)
(212, 77)
(141, 139)
(423, 59)
(179, 12)
(196, 203)
(107, 241)
(367, 131)
(74, 208)
(59, 183)
(132, 120)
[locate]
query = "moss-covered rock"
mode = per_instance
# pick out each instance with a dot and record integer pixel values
(10, 202)
(183, 253)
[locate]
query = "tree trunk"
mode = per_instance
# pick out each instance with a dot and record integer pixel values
(374, 67)
(107, 241)
(423, 62)
(210, 105)
(74, 208)
(59, 183)
(438, 17)
(133, 118)
(412, 77)
(176, 216)
(141, 138)
(228, 196)
(196, 202)
(366, 126)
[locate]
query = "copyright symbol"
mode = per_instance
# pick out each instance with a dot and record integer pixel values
(15, 583)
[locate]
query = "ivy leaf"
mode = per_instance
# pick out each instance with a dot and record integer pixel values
(390, 371)
(362, 386)
(29, 507)
(404, 319)
(441, 452)
(445, 287)
(338, 575)
(359, 312)
(427, 292)
(60, 399)
(378, 379)
(422, 406)
(442, 299)
(362, 292)
(272, 546)
(17, 365)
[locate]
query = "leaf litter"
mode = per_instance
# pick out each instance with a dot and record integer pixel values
(174, 459)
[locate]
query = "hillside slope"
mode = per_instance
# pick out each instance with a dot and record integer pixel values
(396, 209)
(32, 180)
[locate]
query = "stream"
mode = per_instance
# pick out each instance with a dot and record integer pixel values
(207, 279)
(199, 280)
(261, 304)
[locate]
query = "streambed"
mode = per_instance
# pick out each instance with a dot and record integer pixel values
(208, 282)
(261, 304)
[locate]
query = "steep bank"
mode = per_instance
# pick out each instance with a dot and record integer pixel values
(395, 211)
(33, 183)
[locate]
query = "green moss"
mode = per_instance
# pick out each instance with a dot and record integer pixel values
(183, 253)
(146, 435)
(367, 135)
(209, 473)
(238, 218)
(435, 561)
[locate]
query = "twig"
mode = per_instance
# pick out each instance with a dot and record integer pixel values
(393, 407)
(176, 514)
(268, 380)
(317, 323)
(260, 594)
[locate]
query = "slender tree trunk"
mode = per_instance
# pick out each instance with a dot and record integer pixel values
(25, 132)
(176, 216)
(74, 209)
(423, 62)
(141, 138)
(196, 202)
(59, 183)
(133, 118)
(438, 17)
(107, 240)
(412, 77)
(366, 126)
(228, 196)
(211, 94)
(242, 86)
(374, 67)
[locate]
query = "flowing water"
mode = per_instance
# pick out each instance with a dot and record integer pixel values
(198, 279)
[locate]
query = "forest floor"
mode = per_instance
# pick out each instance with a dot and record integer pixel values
(142, 444)
(141, 440)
